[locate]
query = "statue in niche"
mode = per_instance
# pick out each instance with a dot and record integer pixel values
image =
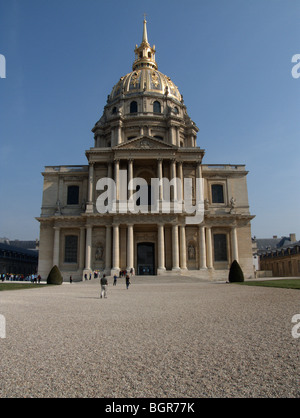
(99, 253)
(232, 204)
(191, 252)
(58, 208)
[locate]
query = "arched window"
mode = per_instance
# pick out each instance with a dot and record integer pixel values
(217, 193)
(133, 107)
(73, 195)
(156, 107)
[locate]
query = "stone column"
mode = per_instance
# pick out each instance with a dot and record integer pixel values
(173, 177)
(209, 248)
(160, 176)
(56, 246)
(173, 135)
(130, 176)
(161, 248)
(81, 248)
(117, 179)
(116, 248)
(180, 175)
(130, 245)
(175, 248)
(202, 248)
(108, 249)
(88, 248)
(234, 243)
(90, 205)
(182, 248)
(119, 134)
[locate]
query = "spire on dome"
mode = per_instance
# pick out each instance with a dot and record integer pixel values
(144, 54)
(145, 35)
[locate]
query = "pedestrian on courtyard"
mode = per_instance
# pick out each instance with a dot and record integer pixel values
(71, 280)
(104, 284)
(127, 281)
(115, 280)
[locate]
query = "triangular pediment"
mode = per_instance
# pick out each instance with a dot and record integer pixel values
(144, 142)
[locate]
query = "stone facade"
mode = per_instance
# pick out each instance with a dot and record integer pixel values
(145, 132)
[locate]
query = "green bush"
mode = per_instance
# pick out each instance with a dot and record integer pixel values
(55, 276)
(235, 273)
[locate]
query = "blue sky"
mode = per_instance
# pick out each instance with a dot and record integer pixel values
(231, 60)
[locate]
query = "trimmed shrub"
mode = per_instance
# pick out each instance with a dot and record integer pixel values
(55, 276)
(235, 273)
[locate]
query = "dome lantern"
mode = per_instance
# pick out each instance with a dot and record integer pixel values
(144, 54)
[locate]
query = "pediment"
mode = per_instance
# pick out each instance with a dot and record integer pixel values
(143, 143)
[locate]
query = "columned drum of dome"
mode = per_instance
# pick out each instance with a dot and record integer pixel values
(145, 134)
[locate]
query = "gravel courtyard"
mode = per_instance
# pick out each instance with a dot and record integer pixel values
(163, 337)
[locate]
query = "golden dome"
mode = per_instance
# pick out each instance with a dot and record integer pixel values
(145, 78)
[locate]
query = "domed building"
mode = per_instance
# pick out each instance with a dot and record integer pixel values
(145, 134)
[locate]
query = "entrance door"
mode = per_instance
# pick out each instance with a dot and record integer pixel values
(145, 259)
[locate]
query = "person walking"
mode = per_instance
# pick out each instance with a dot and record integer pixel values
(115, 280)
(127, 281)
(104, 284)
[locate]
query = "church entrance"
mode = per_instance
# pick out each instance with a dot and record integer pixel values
(145, 259)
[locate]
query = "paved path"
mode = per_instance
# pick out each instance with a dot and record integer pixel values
(164, 337)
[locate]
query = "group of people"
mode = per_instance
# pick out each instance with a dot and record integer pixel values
(104, 282)
(96, 274)
(33, 278)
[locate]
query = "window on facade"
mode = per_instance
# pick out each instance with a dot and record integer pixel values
(133, 107)
(71, 248)
(73, 195)
(220, 247)
(217, 193)
(156, 107)
(158, 137)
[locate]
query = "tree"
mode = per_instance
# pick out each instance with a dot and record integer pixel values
(55, 276)
(235, 273)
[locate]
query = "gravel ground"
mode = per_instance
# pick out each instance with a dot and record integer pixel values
(163, 337)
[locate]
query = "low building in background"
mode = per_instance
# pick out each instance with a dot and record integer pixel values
(278, 256)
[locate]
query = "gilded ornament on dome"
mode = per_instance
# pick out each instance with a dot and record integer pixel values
(155, 79)
(135, 79)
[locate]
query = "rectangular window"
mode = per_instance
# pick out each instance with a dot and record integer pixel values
(71, 248)
(217, 193)
(220, 247)
(73, 195)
